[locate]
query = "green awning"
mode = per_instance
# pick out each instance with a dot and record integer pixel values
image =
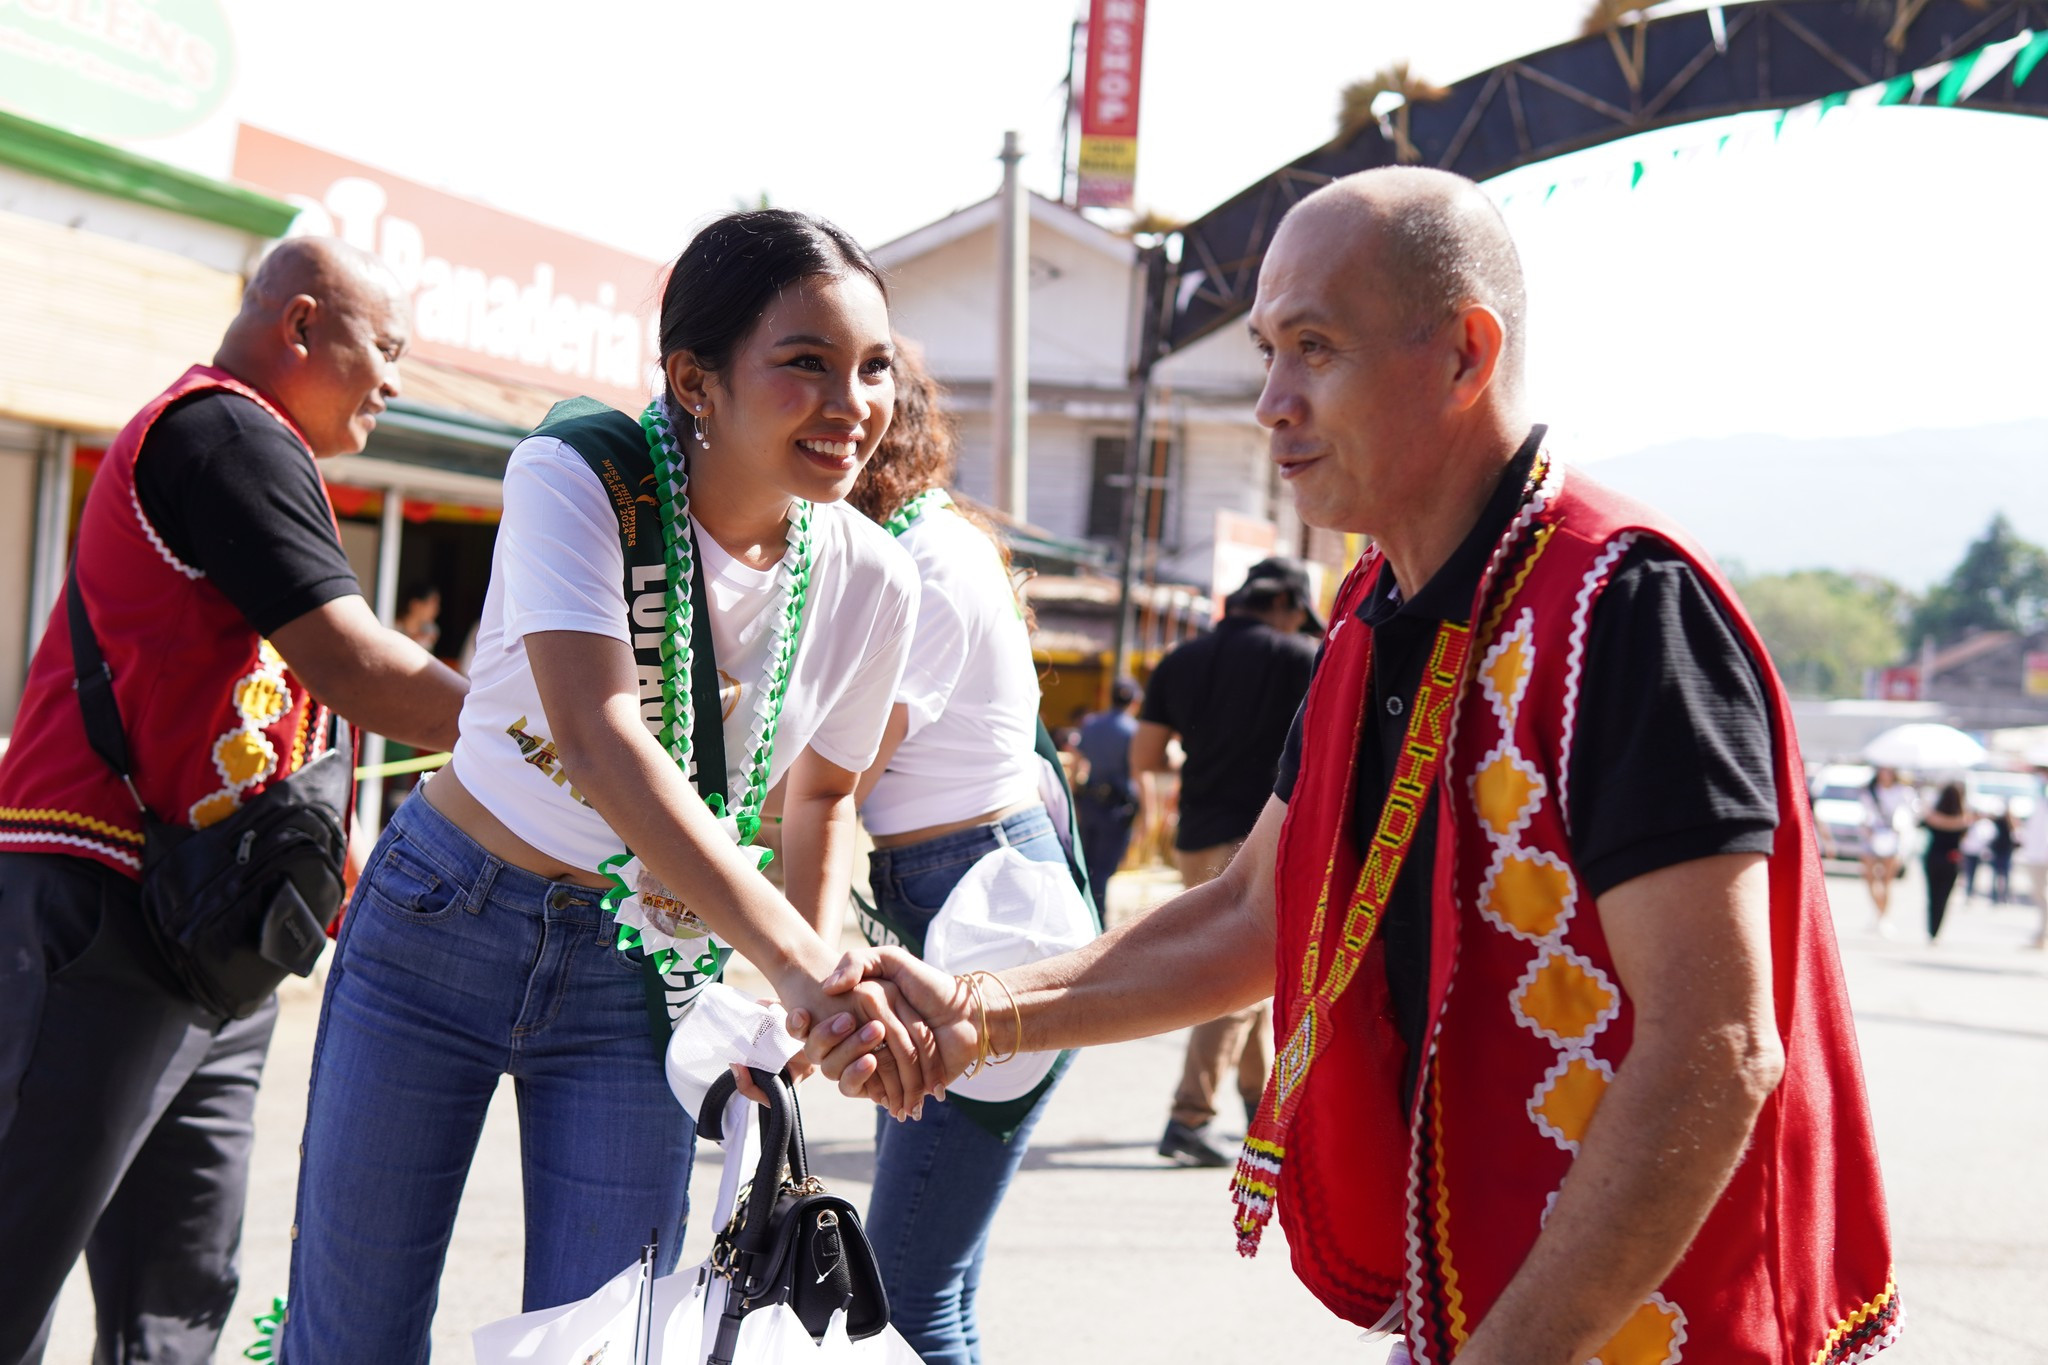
(73, 160)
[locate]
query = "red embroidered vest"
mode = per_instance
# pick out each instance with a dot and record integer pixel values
(211, 712)
(1427, 1219)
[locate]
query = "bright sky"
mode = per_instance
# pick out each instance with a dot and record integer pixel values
(1877, 273)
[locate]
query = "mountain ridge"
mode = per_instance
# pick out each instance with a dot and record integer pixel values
(1904, 505)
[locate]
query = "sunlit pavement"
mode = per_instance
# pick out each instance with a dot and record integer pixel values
(1103, 1253)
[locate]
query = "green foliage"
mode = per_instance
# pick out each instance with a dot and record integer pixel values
(2001, 584)
(1824, 628)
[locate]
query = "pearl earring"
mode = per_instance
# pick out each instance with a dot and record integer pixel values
(700, 430)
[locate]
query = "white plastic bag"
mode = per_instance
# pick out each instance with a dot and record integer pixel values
(724, 1027)
(1006, 912)
(600, 1328)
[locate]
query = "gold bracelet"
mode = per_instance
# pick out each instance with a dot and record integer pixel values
(981, 1046)
(1016, 1015)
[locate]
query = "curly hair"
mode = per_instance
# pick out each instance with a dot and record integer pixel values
(917, 452)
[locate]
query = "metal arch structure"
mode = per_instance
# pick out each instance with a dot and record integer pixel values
(1661, 71)
(1701, 64)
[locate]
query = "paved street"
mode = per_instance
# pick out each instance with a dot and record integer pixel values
(1104, 1254)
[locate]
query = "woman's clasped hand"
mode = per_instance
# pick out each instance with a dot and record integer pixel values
(870, 1019)
(959, 1027)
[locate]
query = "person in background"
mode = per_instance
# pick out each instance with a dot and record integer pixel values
(1887, 807)
(419, 620)
(1976, 851)
(211, 570)
(419, 615)
(2032, 854)
(2004, 842)
(1230, 696)
(1946, 824)
(1107, 801)
(956, 779)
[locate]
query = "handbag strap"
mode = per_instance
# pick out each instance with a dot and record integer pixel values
(781, 1141)
(95, 688)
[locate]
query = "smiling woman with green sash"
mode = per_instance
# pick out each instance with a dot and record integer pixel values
(682, 613)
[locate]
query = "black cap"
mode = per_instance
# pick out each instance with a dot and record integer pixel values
(1277, 574)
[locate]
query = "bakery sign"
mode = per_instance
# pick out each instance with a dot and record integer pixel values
(492, 293)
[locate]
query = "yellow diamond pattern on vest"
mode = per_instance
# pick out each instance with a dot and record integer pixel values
(1506, 789)
(1651, 1336)
(1566, 998)
(1563, 1104)
(1529, 893)
(1504, 677)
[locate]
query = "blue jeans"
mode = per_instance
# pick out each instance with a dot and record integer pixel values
(939, 1180)
(454, 969)
(1105, 838)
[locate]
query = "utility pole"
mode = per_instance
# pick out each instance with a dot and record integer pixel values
(390, 530)
(1067, 117)
(1137, 479)
(1013, 335)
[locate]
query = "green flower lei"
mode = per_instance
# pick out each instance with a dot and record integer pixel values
(907, 515)
(678, 707)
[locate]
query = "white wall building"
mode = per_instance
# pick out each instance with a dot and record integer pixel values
(1084, 298)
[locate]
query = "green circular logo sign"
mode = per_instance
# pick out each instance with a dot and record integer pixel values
(115, 68)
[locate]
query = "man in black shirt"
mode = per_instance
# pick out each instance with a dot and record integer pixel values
(1671, 761)
(1623, 988)
(125, 1108)
(1229, 695)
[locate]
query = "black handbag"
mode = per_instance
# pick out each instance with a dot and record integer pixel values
(788, 1240)
(234, 907)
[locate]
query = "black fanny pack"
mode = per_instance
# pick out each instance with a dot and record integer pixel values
(789, 1241)
(236, 906)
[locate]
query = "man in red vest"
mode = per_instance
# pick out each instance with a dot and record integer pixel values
(212, 573)
(1567, 1069)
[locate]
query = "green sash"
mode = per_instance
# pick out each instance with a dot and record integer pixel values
(615, 448)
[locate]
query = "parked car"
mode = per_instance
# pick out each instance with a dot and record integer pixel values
(1991, 791)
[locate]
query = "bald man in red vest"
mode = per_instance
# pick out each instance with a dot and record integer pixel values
(1566, 1064)
(212, 573)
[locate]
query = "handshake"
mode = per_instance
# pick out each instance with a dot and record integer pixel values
(894, 1029)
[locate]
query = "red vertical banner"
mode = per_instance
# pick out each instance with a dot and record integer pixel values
(1109, 103)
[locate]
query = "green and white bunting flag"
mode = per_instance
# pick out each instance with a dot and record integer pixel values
(1941, 85)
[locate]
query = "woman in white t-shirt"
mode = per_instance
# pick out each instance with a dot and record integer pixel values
(957, 778)
(481, 942)
(1889, 809)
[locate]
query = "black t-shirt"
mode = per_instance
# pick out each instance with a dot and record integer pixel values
(1672, 755)
(1231, 695)
(233, 494)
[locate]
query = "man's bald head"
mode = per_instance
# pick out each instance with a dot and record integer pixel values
(324, 268)
(1390, 309)
(1435, 243)
(320, 330)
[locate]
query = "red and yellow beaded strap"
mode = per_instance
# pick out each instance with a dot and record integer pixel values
(1256, 1184)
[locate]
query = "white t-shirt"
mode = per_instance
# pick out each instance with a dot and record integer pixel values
(971, 688)
(2034, 836)
(559, 566)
